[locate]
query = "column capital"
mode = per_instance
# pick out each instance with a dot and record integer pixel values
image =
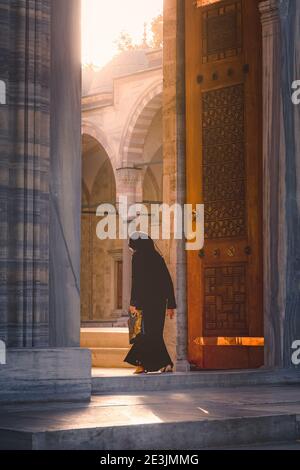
(129, 183)
(269, 10)
(128, 179)
(128, 174)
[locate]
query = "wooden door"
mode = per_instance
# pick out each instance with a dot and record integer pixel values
(224, 171)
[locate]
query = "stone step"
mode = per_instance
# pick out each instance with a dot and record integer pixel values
(104, 338)
(199, 418)
(109, 357)
(112, 380)
(108, 346)
(177, 435)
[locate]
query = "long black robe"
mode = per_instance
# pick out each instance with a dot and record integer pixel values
(152, 291)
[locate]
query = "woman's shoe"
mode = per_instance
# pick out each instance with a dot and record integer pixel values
(139, 370)
(168, 368)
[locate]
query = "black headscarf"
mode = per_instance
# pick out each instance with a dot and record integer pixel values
(141, 243)
(151, 280)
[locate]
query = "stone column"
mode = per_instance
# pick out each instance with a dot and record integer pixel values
(65, 171)
(24, 172)
(273, 190)
(174, 167)
(26, 169)
(290, 71)
(280, 180)
(40, 144)
(129, 186)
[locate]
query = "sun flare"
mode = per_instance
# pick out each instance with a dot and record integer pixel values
(104, 20)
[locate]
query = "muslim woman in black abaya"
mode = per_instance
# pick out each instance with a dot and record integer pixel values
(152, 292)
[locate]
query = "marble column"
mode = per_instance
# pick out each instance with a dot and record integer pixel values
(41, 66)
(65, 170)
(40, 161)
(24, 172)
(174, 168)
(290, 71)
(280, 180)
(129, 186)
(273, 190)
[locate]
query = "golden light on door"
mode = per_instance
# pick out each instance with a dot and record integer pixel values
(229, 341)
(203, 3)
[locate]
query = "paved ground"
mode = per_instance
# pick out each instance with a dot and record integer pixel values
(268, 446)
(154, 407)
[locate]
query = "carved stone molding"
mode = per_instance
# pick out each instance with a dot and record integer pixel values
(128, 177)
(269, 10)
(127, 180)
(129, 184)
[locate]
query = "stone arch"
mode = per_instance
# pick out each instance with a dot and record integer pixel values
(104, 186)
(98, 266)
(85, 194)
(133, 140)
(151, 190)
(98, 134)
(152, 179)
(98, 176)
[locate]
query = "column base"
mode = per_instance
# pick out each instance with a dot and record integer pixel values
(122, 321)
(182, 366)
(46, 375)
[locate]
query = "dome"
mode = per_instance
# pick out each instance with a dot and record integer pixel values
(125, 63)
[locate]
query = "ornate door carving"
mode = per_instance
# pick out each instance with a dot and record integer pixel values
(224, 169)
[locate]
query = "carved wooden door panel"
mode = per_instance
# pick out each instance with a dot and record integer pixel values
(224, 170)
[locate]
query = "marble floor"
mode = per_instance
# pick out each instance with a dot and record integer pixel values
(156, 407)
(112, 372)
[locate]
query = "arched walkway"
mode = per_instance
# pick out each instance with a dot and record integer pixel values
(100, 259)
(99, 135)
(133, 141)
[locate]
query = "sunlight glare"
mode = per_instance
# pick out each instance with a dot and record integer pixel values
(104, 20)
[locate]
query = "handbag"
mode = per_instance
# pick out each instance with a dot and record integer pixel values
(135, 325)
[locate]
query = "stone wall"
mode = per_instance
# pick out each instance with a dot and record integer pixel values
(44, 375)
(98, 273)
